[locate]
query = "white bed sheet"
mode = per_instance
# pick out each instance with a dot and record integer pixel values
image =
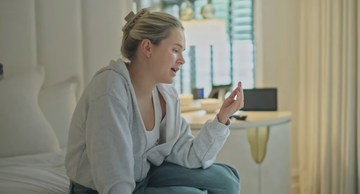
(34, 174)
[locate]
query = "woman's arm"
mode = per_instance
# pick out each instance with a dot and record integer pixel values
(109, 146)
(201, 150)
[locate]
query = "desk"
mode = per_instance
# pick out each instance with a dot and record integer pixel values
(194, 106)
(258, 148)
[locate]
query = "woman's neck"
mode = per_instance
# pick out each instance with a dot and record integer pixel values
(141, 80)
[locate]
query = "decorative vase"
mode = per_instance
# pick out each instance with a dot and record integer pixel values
(186, 12)
(208, 11)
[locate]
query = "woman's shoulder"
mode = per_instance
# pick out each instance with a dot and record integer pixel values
(109, 81)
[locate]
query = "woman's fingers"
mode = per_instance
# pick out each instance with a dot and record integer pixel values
(239, 96)
(237, 103)
(233, 93)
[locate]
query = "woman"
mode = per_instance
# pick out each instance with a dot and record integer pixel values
(127, 134)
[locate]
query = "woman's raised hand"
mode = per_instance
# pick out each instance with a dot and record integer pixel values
(231, 105)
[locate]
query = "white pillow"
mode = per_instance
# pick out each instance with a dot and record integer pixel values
(24, 129)
(58, 104)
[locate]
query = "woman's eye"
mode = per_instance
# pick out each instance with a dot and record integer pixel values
(176, 51)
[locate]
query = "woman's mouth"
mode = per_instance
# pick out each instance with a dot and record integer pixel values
(175, 69)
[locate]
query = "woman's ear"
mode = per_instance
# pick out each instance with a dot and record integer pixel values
(146, 47)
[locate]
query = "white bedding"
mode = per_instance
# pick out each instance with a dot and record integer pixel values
(34, 174)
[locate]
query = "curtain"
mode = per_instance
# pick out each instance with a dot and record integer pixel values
(329, 97)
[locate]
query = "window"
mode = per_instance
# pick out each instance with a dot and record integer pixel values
(232, 62)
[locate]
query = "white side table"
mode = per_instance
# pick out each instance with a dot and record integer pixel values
(258, 148)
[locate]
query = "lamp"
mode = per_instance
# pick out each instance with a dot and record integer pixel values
(203, 32)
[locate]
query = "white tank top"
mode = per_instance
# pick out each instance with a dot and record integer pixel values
(153, 136)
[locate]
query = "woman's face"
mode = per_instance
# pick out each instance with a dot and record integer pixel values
(167, 57)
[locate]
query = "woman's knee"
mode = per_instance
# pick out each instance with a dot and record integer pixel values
(227, 178)
(217, 179)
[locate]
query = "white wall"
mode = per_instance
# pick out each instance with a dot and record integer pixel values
(279, 30)
(69, 38)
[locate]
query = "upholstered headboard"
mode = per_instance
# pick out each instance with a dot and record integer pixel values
(71, 39)
(50, 50)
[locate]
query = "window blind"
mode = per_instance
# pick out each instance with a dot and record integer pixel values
(232, 62)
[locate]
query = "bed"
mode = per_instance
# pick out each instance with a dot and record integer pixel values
(34, 122)
(50, 51)
(34, 174)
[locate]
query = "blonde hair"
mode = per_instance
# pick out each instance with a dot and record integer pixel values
(154, 26)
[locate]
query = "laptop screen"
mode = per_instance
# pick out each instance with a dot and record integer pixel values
(260, 99)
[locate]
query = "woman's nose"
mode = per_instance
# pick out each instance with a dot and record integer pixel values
(181, 61)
